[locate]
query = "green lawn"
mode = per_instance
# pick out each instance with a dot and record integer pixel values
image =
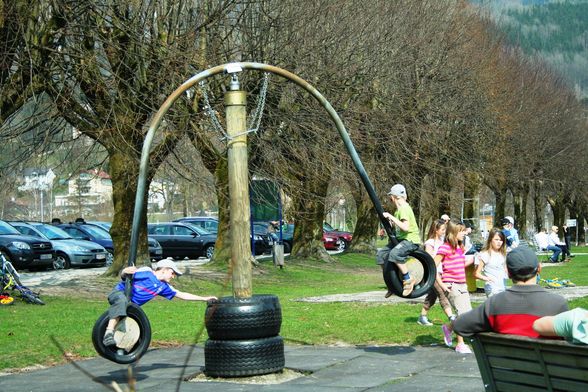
(26, 331)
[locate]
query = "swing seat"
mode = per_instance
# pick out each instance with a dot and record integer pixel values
(132, 336)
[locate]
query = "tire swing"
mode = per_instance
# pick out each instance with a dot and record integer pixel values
(132, 335)
(243, 337)
(421, 266)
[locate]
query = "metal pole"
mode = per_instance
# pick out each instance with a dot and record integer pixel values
(236, 115)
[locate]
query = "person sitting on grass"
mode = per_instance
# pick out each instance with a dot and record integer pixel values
(146, 285)
(513, 311)
(407, 234)
(571, 325)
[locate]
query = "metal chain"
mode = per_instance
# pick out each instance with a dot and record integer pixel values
(255, 117)
(211, 113)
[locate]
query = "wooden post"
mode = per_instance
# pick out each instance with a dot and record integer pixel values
(236, 117)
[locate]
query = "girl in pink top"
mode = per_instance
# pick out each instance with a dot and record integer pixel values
(435, 239)
(453, 279)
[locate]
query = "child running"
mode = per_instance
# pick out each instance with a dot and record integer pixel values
(453, 279)
(492, 263)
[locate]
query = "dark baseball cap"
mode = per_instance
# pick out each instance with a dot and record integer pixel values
(522, 260)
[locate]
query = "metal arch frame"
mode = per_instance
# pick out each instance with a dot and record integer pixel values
(231, 68)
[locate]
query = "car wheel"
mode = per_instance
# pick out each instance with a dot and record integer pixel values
(116, 354)
(238, 358)
(209, 251)
(342, 245)
(230, 318)
(61, 261)
(109, 257)
(424, 267)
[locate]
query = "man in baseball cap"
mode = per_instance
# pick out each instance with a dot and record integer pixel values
(513, 311)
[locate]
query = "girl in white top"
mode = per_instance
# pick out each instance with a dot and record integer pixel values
(492, 263)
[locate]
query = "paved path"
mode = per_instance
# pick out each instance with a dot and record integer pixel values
(327, 369)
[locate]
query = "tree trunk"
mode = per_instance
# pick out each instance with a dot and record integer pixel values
(538, 205)
(310, 212)
(124, 172)
(520, 197)
(366, 227)
(471, 190)
(222, 249)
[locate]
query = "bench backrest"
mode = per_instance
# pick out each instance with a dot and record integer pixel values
(518, 363)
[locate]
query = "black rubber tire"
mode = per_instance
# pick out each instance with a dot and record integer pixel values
(209, 251)
(394, 281)
(239, 358)
(230, 318)
(287, 247)
(111, 353)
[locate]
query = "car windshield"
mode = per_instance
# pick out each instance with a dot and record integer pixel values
(5, 229)
(52, 232)
(197, 229)
(97, 232)
(328, 227)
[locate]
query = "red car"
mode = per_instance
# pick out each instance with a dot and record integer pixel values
(344, 237)
(331, 241)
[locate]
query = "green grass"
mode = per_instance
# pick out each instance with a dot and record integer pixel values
(26, 331)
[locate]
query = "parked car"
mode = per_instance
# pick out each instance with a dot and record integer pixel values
(25, 251)
(206, 222)
(99, 235)
(345, 237)
(68, 251)
(179, 239)
(88, 232)
(262, 243)
(155, 249)
(330, 240)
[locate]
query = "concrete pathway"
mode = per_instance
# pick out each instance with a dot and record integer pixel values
(319, 368)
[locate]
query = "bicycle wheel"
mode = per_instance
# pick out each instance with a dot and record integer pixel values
(30, 297)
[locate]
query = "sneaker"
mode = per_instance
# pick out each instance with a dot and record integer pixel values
(423, 320)
(447, 335)
(388, 294)
(109, 339)
(408, 286)
(463, 348)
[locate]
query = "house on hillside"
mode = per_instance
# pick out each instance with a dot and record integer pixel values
(89, 188)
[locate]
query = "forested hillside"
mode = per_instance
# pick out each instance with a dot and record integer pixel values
(555, 30)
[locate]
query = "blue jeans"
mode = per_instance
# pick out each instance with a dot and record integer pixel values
(556, 252)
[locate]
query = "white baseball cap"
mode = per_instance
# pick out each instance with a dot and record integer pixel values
(167, 263)
(397, 190)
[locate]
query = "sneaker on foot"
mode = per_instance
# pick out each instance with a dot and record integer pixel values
(388, 294)
(423, 320)
(109, 339)
(408, 286)
(463, 348)
(447, 335)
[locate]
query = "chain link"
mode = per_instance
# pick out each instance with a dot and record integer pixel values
(255, 117)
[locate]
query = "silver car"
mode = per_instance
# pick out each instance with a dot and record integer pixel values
(68, 251)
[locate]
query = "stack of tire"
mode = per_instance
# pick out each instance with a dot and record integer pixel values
(243, 337)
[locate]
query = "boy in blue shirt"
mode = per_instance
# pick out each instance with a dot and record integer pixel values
(147, 284)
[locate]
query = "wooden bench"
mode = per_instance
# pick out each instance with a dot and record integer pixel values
(543, 254)
(521, 364)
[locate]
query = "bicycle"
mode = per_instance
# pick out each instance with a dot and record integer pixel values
(10, 280)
